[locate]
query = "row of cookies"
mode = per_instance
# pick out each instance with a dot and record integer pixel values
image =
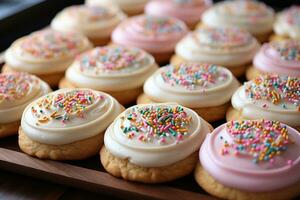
(228, 46)
(134, 142)
(154, 143)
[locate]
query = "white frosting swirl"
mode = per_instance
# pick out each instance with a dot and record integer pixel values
(111, 68)
(229, 47)
(69, 115)
(288, 22)
(46, 51)
(192, 85)
(17, 90)
(269, 97)
(94, 22)
(253, 16)
(148, 149)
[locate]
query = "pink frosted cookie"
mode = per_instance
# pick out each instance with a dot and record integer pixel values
(277, 57)
(189, 11)
(252, 159)
(156, 35)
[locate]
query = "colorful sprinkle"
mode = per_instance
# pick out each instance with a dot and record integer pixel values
(275, 89)
(156, 26)
(14, 86)
(287, 50)
(64, 106)
(194, 76)
(50, 44)
(261, 140)
(156, 123)
(112, 59)
(225, 37)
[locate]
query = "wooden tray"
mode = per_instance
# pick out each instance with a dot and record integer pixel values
(90, 175)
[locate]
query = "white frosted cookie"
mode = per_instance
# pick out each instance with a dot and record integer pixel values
(201, 87)
(46, 53)
(287, 23)
(95, 22)
(17, 90)
(229, 47)
(270, 97)
(61, 124)
(253, 16)
(146, 139)
(117, 70)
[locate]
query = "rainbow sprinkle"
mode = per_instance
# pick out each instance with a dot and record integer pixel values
(156, 123)
(194, 76)
(14, 86)
(275, 89)
(112, 59)
(157, 26)
(49, 44)
(288, 50)
(262, 140)
(63, 106)
(225, 37)
(292, 16)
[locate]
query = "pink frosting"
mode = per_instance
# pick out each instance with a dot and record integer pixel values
(240, 172)
(189, 11)
(153, 34)
(273, 58)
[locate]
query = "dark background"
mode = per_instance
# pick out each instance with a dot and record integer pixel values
(20, 17)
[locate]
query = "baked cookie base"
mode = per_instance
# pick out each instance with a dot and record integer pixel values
(236, 71)
(209, 114)
(124, 97)
(122, 168)
(9, 129)
(100, 41)
(233, 114)
(252, 72)
(162, 58)
(275, 37)
(209, 184)
(74, 151)
(51, 79)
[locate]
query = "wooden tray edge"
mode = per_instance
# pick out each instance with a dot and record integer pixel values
(88, 179)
